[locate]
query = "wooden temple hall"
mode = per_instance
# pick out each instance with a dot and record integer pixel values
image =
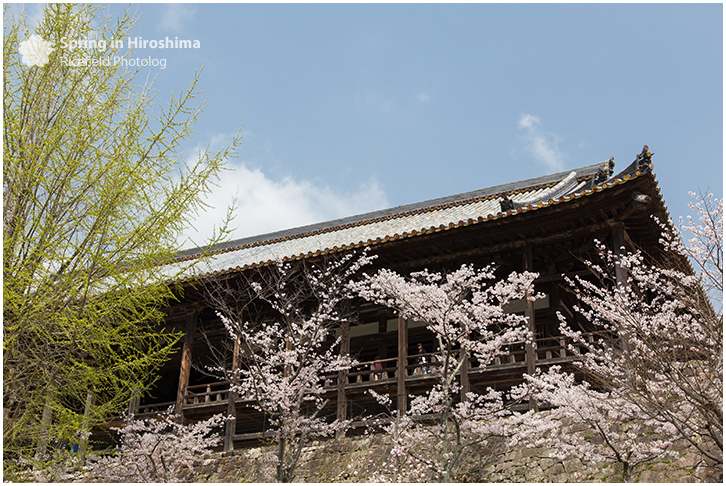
(546, 225)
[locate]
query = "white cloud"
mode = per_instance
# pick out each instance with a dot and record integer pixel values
(541, 144)
(424, 97)
(528, 121)
(176, 16)
(265, 205)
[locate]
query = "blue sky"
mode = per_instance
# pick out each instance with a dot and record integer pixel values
(356, 107)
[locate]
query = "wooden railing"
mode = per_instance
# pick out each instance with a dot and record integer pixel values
(154, 409)
(556, 347)
(208, 393)
(547, 350)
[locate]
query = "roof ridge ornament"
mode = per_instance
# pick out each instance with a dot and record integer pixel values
(565, 186)
(604, 172)
(643, 159)
(506, 203)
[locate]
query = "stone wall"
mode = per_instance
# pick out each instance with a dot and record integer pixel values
(358, 459)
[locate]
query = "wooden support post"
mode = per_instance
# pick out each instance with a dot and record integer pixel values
(553, 328)
(382, 329)
(464, 370)
(134, 401)
(554, 292)
(621, 274)
(402, 362)
(231, 425)
(342, 410)
(186, 363)
(527, 266)
(45, 422)
(86, 426)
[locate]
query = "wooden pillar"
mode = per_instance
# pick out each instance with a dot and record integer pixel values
(45, 423)
(621, 274)
(86, 426)
(231, 424)
(530, 349)
(186, 363)
(402, 361)
(134, 401)
(382, 321)
(382, 329)
(553, 327)
(342, 411)
(464, 370)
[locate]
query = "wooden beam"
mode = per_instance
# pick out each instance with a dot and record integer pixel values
(632, 208)
(590, 230)
(402, 361)
(186, 362)
(557, 277)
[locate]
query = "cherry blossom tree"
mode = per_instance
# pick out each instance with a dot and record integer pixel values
(657, 367)
(405, 461)
(705, 246)
(157, 450)
(597, 426)
(464, 310)
(285, 326)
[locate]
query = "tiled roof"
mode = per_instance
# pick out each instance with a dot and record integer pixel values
(399, 222)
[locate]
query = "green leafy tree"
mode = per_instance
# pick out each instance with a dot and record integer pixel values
(96, 194)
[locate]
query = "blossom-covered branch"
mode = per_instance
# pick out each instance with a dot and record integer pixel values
(657, 366)
(598, 426)
(464, 310)
(157, 450)
(289, 346)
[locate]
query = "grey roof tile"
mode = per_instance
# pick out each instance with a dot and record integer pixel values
(358, 230)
